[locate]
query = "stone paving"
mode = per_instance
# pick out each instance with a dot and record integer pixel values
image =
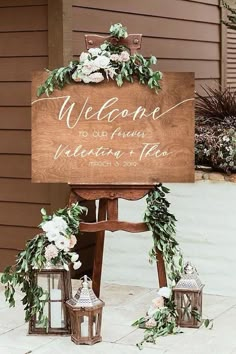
(124, 304)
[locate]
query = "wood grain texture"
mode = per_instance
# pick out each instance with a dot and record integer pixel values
(16, 118)
(17, 214)
(113, 225)
(93, 21)
(10, 67)
(22, 190)
(14, 141)
(120, 159)
(18, 166)
(21, 3)
(176, 9)
(20, 94)
(15, 237)
(31, 18)
(19, 44)
(99, 248)
(166, 48)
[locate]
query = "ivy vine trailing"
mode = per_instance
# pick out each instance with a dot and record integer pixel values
(109, 61)
(162, 224)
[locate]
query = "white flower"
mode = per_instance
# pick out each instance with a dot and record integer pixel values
(51, 252)
(89, 67)
(77, 265)
(55, 226)
(96, 77)
(94, 51)
(124, 56)
(62, 243)
(102, 61)
(74, 257)
(52, 235)
(115, 57)
(86, 79)
(83, 56)
(165, 292)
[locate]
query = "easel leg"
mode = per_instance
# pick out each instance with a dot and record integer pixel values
(98, 256)
(161, 269)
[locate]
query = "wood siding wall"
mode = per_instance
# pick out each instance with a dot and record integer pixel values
(183, 34)
(23, 38)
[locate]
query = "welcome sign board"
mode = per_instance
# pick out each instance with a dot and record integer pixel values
(103, 134)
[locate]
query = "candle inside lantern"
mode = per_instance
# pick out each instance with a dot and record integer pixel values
(56, 308)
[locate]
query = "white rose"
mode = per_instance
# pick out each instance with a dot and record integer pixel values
(59, 223)
(96, 77)
(165, 292)
(94, 51)
(48, 226)
(102, 61)
(74, 257)
(89, 67)
(52, 235)
(77, 265)
(62, 243)
(86, 79)
(83, 56)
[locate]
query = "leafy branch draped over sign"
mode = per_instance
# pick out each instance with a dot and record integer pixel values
(109, 61)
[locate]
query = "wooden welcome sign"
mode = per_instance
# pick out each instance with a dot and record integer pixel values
(102, 134)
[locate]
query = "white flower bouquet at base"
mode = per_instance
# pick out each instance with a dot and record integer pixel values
(52, 247)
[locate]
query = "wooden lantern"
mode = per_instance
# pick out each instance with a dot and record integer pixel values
(86, 315)
(188, 298)
(56, 281)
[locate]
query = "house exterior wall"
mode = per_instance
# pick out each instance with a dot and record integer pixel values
(23, 38)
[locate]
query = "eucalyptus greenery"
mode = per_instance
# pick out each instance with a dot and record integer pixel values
(121, 66)
(162, 224)
(165, 323)
(32, 259)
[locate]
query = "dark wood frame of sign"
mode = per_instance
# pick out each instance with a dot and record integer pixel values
(109, 195)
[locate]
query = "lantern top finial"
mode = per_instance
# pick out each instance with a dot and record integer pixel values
(189, 268)
(85, 296)
(189, 280)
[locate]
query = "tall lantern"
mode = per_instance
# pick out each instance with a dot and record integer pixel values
(86, 315)
(188, 298)
(56, 282)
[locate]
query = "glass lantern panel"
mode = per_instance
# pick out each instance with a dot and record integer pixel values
(95, 325)
(186, 306)
(42, 282)
(56, 289)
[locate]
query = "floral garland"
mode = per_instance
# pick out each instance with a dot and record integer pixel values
(109, 61)
(160, 319)
(51, 248)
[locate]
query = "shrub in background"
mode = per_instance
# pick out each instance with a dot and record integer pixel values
(215, 137)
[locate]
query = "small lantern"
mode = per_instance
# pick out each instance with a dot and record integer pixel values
(188, 298)
(86, 315)
(56, 282)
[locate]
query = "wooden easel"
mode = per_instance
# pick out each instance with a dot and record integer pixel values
(108, 195)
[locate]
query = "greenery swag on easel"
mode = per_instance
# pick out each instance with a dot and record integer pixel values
(109, 61)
